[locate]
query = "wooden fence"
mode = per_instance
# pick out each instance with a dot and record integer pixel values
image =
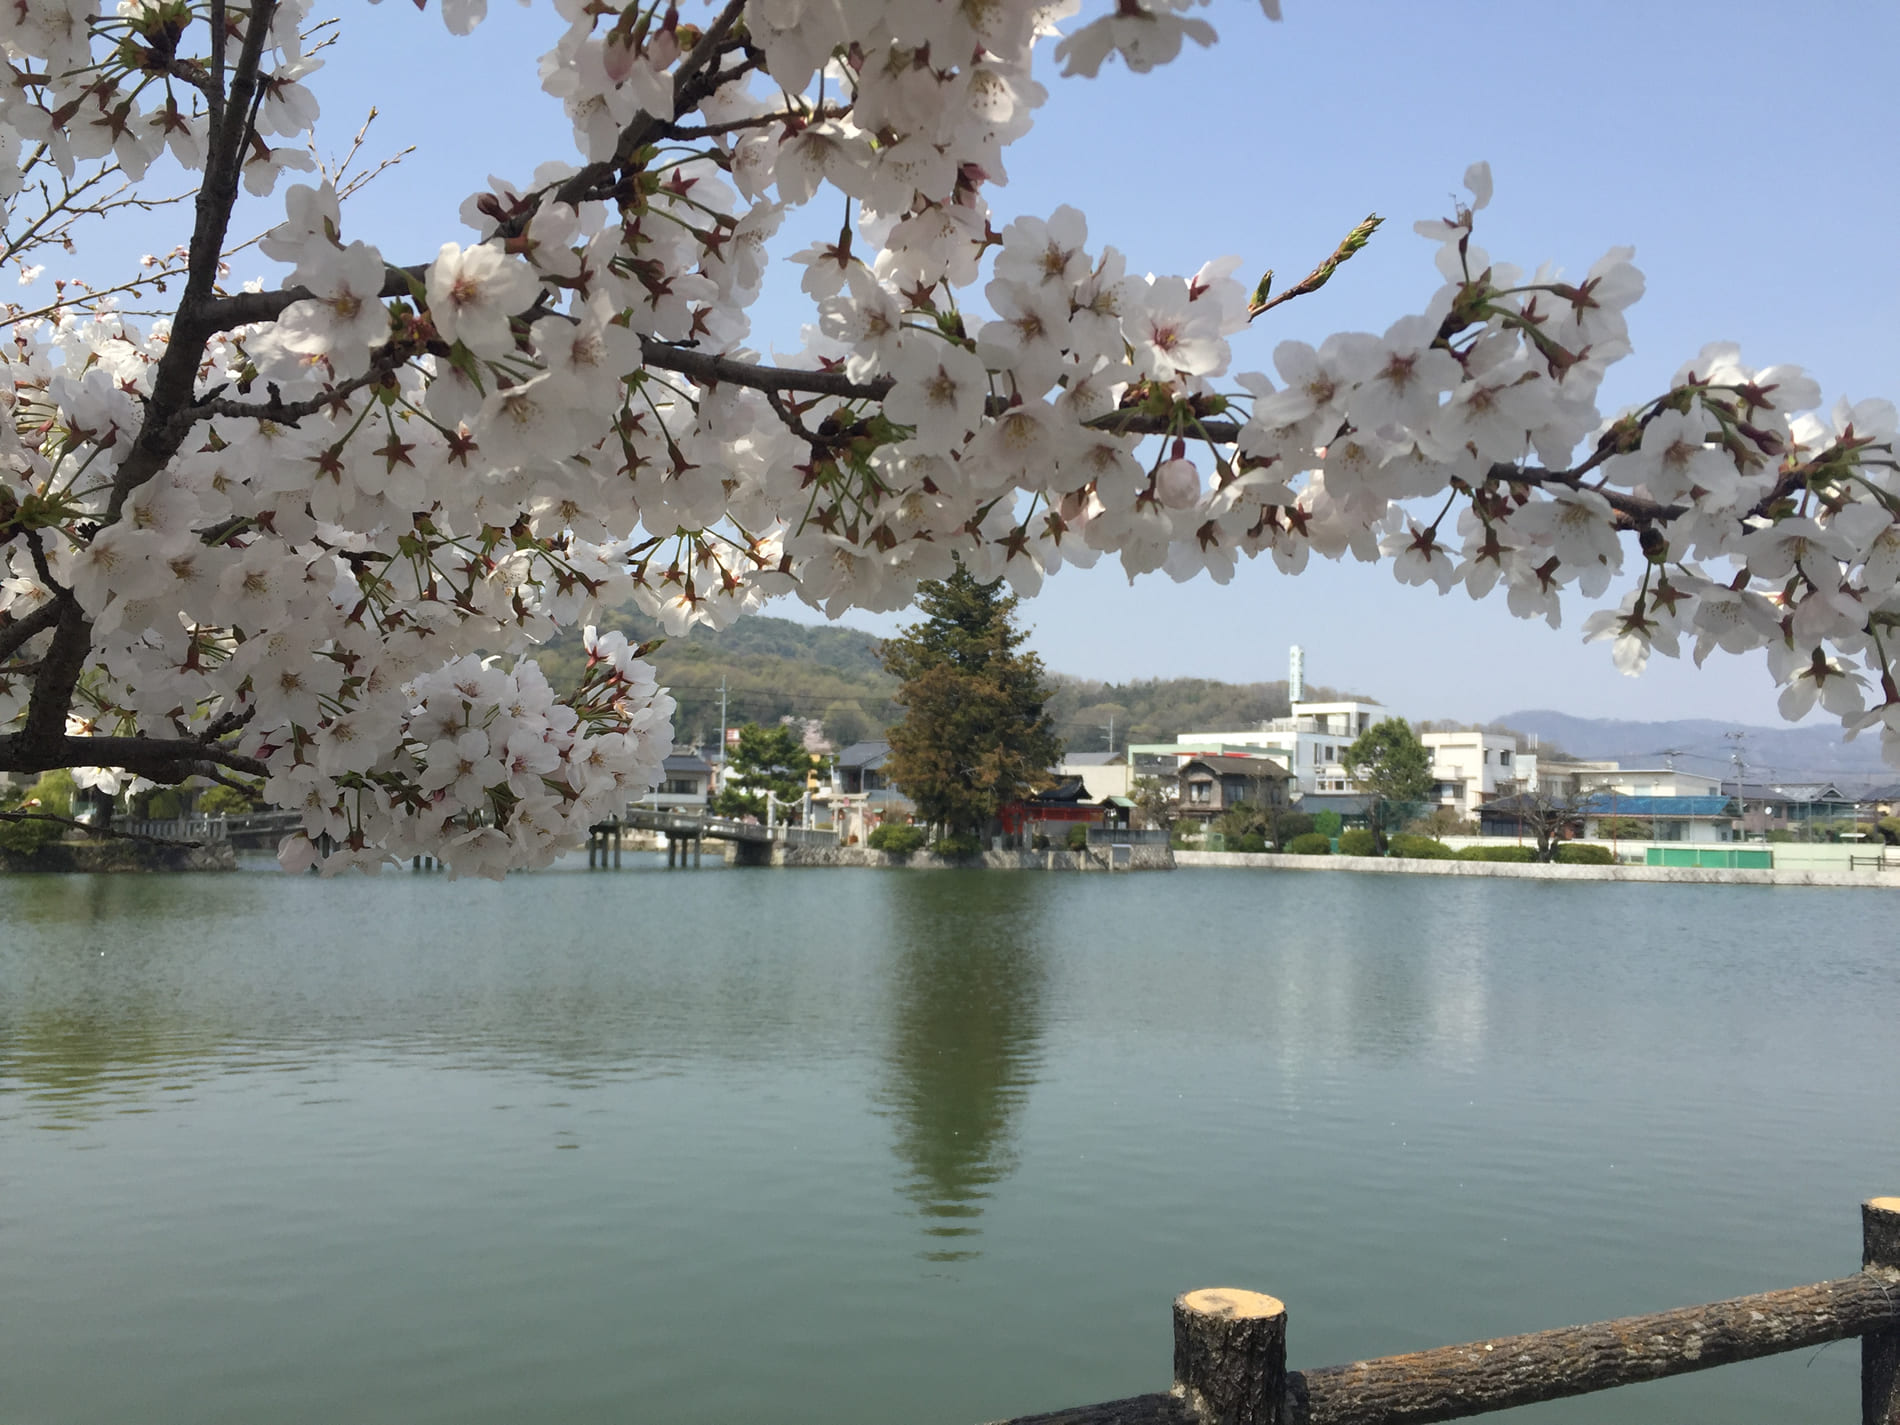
(1230, 1355)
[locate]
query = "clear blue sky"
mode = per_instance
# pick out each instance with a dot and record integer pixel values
(1747, 150)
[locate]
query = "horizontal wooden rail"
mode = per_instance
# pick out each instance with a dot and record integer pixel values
(1230, 1355)
(1454, 1382)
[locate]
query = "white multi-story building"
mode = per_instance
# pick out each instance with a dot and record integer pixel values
(1312, 741)
(1471, 768)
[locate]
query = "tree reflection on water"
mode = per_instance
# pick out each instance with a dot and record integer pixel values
(969, 976)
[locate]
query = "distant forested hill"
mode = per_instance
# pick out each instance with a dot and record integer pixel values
(1157, 709)
(776, 668)
(772, 667)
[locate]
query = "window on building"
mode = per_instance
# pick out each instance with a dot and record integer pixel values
(1504, 758)
(1200, 793)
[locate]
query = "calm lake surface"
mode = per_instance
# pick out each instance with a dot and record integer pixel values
(849, 1146)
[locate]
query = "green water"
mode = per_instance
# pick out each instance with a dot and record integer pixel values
(846, 1146)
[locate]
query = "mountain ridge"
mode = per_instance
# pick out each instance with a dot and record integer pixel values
(1813, 751)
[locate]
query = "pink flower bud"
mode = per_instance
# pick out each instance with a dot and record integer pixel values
(1178, 484)
(617, 56)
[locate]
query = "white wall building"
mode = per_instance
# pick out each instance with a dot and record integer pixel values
(1312, 741)
(1103, 774)
(1647, 782)
(1471, 768)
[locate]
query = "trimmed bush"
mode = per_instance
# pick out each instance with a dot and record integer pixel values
(1422, 848)
(960, 846)
(896, 837)
(1327, 824)
(1358, 842)
(1292, 824)
(1252, 841)
(1078, 838)
(1523, 855)
(1311, 844)
(1584, 853)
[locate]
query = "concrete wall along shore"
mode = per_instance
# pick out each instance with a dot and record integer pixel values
(1096, 858)
(1404, 866)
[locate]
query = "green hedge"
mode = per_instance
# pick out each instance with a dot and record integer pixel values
(957, 846)
(1520, 854)
(1584, 853)
(1078, 838)
(1423, 848)
(1311, 844)
(896, 837)
(1358, 842)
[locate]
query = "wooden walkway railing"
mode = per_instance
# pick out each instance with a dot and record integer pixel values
(1230, 1355)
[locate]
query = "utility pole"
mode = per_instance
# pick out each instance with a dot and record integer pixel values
(1111, 734)
(722, 732)
(1740, 759)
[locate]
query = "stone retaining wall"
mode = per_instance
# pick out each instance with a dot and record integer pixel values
(1408, 866)
(1146, 858)
(110, 855)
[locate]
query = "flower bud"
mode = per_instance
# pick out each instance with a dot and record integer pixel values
(1178, 484)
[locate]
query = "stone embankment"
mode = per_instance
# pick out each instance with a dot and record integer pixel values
(1135, 858)
(109, 855)
(1409, 866)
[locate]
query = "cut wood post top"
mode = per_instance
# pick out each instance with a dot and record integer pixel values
(1880, 1233)
(1232, 1303)
(1230, 1355)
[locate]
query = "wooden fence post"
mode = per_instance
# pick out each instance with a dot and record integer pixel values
(1880, 1350)
(1230, 1356)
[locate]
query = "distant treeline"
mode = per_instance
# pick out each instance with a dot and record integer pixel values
(775, 668)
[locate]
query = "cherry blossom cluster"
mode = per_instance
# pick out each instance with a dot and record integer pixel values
(310, 530)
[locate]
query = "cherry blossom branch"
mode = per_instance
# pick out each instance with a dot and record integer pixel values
(40, 743)
(688, 90)
(21, 631)
(156, 759)
(98, 833)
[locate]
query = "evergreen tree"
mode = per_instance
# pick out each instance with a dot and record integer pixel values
(766, 759)
(975, 734)
(1394, 770)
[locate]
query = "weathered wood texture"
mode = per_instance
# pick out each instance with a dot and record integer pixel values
(1880, 1350)
(1135, 1410)
(1230, 1356)
(1455, 1381)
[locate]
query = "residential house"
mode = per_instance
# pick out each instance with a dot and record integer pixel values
(1312, 741)
(1559, 777)
(1518, 815)
(1795, 808)
(686, 784)
(1877, 802)
(1103, 774)
(1663, 818)
(861, 794)
(1645, 781)
(1214, 783)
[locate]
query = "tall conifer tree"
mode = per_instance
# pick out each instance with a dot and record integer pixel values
(975, 734)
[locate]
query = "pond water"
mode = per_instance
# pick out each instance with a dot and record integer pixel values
(850, 1146)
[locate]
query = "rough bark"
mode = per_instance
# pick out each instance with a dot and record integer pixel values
(1135, 1410)
(1230, 1356)
(1880, 1350)
(1456, 1381)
